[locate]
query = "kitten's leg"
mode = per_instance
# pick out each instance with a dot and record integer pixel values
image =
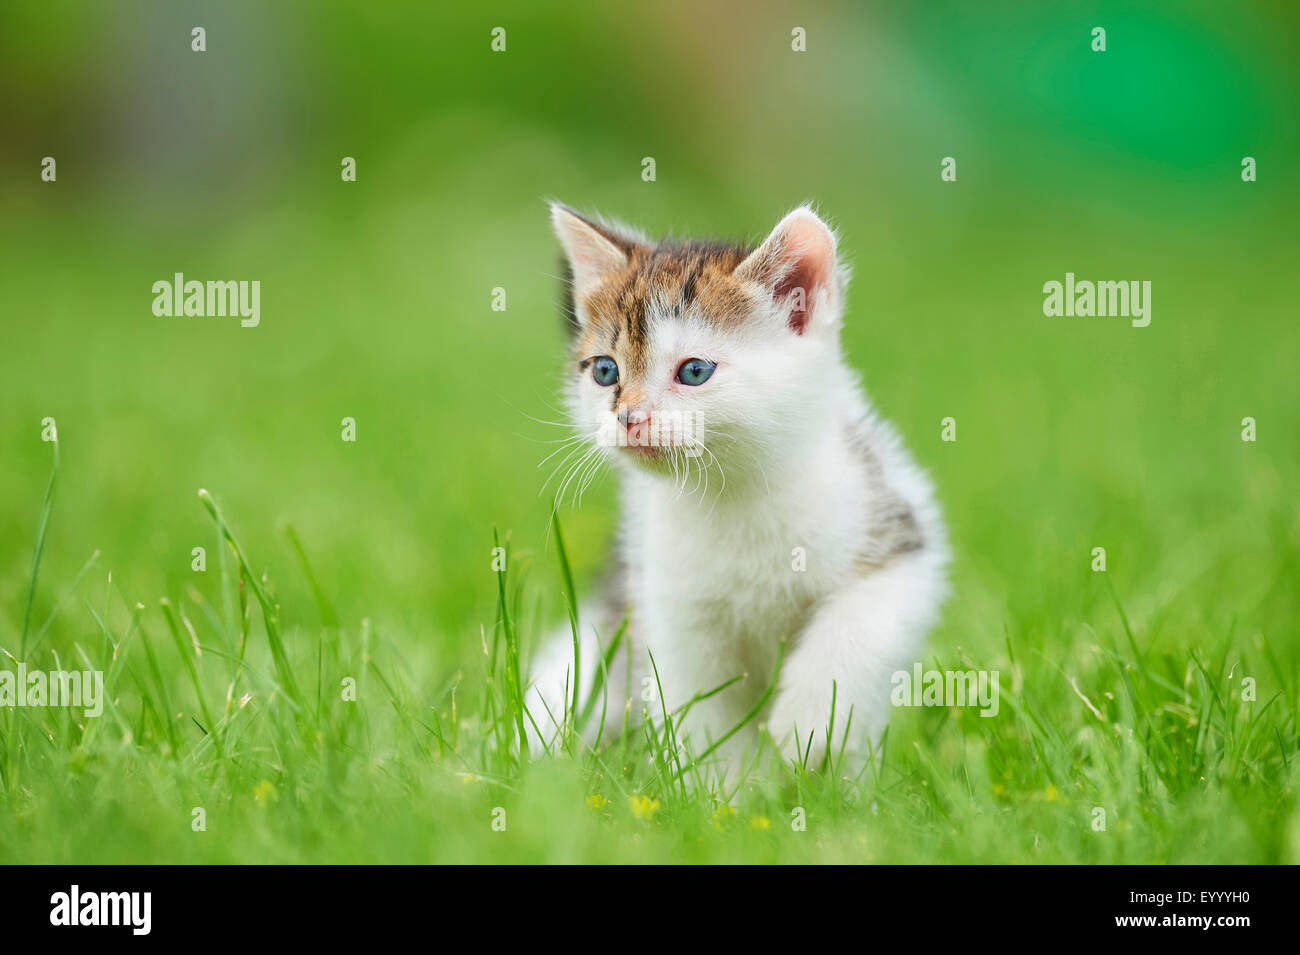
(550, 682)
(856, 640)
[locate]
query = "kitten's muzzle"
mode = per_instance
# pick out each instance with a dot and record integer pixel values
(637, 423)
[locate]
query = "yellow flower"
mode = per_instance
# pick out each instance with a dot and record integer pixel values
(263, 791)
(721, 815)
(760, 822)
(643, 807)
(999, 789)
(597, 801)
(1053, 794)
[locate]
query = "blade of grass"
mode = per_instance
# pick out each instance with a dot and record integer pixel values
(42, 530)
(270, 613)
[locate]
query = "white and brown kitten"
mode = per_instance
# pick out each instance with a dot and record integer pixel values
(763, 501)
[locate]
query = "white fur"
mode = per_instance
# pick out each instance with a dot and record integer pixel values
(711, 581)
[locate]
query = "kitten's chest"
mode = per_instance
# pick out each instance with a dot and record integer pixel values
(739, 583)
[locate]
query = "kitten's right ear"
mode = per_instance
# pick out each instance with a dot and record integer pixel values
(594, 250)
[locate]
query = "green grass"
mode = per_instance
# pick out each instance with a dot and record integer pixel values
(242, 712)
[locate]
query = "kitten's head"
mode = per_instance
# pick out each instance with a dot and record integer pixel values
(693, 355)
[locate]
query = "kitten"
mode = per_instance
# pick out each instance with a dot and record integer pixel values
(763, 502)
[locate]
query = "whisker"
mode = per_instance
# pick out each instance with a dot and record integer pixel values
(563, 444)
(559, 467)
(568, 479)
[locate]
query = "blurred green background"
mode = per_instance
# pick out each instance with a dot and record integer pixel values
(1072, 433)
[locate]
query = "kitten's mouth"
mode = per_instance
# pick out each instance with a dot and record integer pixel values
(643, 441)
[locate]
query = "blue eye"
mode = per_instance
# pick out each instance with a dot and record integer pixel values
(605, 370)
(695, 371)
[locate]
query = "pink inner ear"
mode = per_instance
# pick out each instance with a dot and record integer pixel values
(810, 267)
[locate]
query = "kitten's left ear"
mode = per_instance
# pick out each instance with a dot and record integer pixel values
(796, 263)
